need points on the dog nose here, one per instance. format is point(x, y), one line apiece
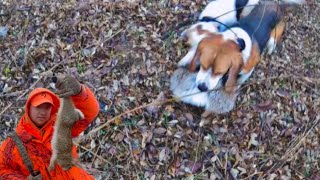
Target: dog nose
point(202, 87)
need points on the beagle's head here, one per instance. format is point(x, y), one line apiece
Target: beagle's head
point(217, 57)
point(195, 33)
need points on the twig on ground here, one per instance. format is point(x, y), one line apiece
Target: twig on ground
point(101, 44)
point(198, 145)
point(125, 113)
point(175, 99)
point(12, 94)
point(88, 150)
point(292, 150)
point(99, 147)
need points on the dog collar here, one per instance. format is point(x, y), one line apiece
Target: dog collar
point(211, 19)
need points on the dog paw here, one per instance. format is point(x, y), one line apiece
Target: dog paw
point(186, 60)
point(271, 46)
point(182, 63)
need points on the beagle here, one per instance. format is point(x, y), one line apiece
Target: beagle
point(215, 17)
point(228, 58)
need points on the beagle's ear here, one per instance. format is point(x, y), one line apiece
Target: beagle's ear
point(193, 65)
point(205, 55)
point(235, 68)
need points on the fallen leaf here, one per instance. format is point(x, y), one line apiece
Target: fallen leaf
point(154, 109)
point(189, 117)
point(3, 31)
point(159, 131)
point(253, 140)
point(234, 173)
point(162, 155)
point(192, 167)
point(267, 105)
point(283, 93)
point(119, 137)
point(146, 138)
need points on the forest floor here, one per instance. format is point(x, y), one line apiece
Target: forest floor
point(126, 51)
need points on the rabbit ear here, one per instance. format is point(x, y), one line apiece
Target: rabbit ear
point(236, 64)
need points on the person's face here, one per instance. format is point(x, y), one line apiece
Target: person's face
point(40, 115)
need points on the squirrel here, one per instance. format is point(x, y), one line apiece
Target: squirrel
point(62, 140)
point(183, 85)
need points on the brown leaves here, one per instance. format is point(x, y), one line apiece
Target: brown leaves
point(126, 51)
point(159, 131)
point(283, 93)
point(153, 109)
point(264, 106)
point(83, 6)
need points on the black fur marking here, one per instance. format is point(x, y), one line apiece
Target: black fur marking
point(224, 79)
point(226, 76)
point(207, 19)
point(241, 44)
point(211, 19)
point(240, 4)
point(259, 24)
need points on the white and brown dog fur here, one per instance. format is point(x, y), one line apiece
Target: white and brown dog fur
point(217, 17)
point(221, 54)
point(227, 62)
point(214, 18)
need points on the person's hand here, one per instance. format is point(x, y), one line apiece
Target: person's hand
point(67, 86)
point(37, 177)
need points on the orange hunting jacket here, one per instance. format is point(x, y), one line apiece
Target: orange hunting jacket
point(38, 141)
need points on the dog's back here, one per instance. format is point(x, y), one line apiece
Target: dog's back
point(222, 10)
point(260, 22)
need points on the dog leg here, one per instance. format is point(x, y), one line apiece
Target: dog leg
point(271, 45)
point(188, 57)
point(275, 36)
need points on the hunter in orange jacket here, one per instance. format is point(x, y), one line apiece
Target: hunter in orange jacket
point(37, 140)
